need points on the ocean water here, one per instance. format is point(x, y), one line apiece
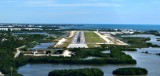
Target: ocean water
point(115, 26)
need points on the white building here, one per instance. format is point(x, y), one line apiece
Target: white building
point(127, 31)
point(1, 74)
point(4, 39)
point(18, 29)
point(3, 29)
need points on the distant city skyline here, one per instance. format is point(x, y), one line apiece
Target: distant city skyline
point(80, 11)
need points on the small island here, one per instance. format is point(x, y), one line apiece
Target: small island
point(77, 72)
point(130, 71)
point(158, 39)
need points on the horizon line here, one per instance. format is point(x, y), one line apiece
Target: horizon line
point(80, 23)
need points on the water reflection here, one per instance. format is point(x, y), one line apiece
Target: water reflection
point(148, 61)
point(31, 33)
point(43, 45)
point(150, 50)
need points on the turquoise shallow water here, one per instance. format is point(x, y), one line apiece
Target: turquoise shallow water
point(115, 26)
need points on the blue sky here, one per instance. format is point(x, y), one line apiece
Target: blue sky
point(80, 11)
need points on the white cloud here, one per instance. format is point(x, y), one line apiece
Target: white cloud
point(54, 4)
point(8, 1)
point(107, 0)
point(42, 3)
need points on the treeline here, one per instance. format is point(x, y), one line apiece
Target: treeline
point(115, 57)
point(118, 47)
point(79, 61)
point(8, 48)
point(153, 32)
point(77, 72)
point(137, 42)
point(130, 71)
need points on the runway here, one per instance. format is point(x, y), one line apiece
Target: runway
point(79, 38)
point(78, 41)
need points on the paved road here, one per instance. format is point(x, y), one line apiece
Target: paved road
point(18, 51)
point(104, 38)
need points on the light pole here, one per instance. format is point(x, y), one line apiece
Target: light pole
point(11, 70)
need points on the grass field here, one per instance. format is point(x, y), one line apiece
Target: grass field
point(92, 38)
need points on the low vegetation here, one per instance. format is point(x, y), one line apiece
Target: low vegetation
point(130, 71)
point(77, 72)
point(153, 32)
point(158, 39)
point(137, 42)
point(118, 47)
point(92, 38)
point(115, 57)
point(8, 45)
